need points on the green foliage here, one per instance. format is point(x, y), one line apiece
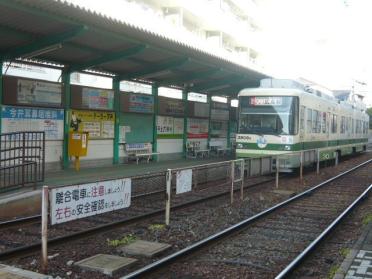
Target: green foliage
point(125, 240)
point(156, 227)
point(332, 272)
point(367, 218)
point(344, 252)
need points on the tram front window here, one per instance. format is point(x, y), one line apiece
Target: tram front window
point(268, 115)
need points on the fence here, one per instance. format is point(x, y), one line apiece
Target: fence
point(22, 159)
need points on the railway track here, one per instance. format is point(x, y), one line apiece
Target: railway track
point(138, 215)
point(272, 243)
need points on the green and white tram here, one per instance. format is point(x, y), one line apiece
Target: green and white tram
point(283, 116)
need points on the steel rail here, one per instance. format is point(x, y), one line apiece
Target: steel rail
point(173, 257)
point(289, 268)
point(27, 249)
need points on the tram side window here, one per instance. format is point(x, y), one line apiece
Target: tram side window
point(302, 117)
point(324, 121)
point(342, 130)
point(316, 121)
point(309, 120)
point(334, 123)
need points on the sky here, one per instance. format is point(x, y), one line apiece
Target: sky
point(326, 41)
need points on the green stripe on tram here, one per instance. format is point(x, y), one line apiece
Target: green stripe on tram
point(303, 145)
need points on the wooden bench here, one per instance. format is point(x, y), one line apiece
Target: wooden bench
point(148, 156)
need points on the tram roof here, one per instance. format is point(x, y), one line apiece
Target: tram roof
point(58, 34)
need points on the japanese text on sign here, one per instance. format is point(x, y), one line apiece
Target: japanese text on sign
point(80, 201)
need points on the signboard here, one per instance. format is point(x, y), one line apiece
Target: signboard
point(141, 103)
point(169, 127)
point(99, 124)
point(169, 106)
point(201, 110)
point(95, 98)
point(219, 114)
point(265, 101)
point(38, 93)
point(18, 119)
point(218, 105)
point(184, 181)
point(80, 201)
point(197, 128)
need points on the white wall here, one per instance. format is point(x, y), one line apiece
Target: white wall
point(53, 151)
point(170, 146)
point(100, 149)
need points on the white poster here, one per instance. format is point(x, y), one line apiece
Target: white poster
point(80, 201)
point(184, 181)
point(22, 119)
point(164, 125)
point(178, 126)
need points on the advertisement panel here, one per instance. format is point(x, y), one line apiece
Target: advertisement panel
point(169, 106)
point(197, 128)
point(219, 114)
point(100, 125)
point(34, 92)
point(169, 127)
point(141, 103)
point(18, 119)
point(94, 98)
point(201, 110)
point(80, 201)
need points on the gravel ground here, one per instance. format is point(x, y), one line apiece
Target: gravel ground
point(187, 226)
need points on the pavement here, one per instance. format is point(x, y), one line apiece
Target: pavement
point(358, 263)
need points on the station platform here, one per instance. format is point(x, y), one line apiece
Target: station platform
point(27, 201)
point(358, 263)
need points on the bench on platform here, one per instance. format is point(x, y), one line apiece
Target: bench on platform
point(223, 151)
point(147, 156)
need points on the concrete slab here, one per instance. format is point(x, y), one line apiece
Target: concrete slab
point(284, 192)
point(107, 264)
point(358, 263)
point(10, 272)
point(144, 248)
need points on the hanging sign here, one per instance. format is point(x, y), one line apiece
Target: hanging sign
point(80, 201)
point(141, 103)
point(184, 181)
point(169, 106)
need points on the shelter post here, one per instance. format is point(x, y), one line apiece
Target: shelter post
point(155, 91)
point(185, 105)
point(1, 90)
point(116, 88)
point(66, 76)
point(228, 140)
point(209, 101)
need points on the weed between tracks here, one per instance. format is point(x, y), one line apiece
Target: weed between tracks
point(125, 240)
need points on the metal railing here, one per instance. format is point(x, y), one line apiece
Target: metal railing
point(22, 159)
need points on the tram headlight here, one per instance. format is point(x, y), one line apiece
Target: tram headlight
point(287, 147)
point(239, 145)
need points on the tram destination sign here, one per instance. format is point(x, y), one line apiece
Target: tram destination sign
point(80, 201)
point(265, 101)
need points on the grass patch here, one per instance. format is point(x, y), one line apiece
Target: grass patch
point(156, 227)
point(367, 219)
point(125, 240)
point(344, 252)
point(332, 272)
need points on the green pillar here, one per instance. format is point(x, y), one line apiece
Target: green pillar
point(209, 101)
point(186, 108)
point(229, 124)
point(116, 88)
point(67, 106)
point(154, 91)
point(1, 91)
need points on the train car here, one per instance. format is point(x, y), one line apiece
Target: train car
point(284, 116)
